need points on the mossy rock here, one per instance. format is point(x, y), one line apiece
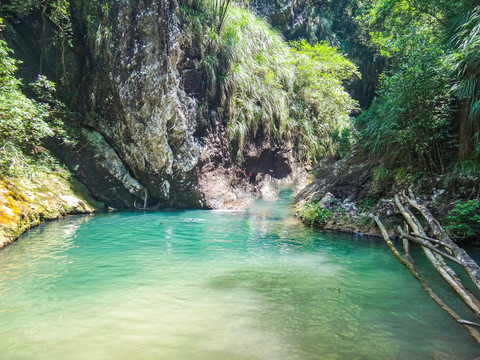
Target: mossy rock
point(28, 202)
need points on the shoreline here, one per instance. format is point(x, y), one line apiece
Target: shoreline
point(28, 202)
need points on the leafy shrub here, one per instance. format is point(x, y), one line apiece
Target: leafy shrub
point(401, 175)
point(367, 203)
point(24, 122)
point(409, 124)
point(464, 220)
point(429, 99)
point(381, 176)
point(313, 213)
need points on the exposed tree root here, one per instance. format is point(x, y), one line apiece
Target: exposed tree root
point(437, 248)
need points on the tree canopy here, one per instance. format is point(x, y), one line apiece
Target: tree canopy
point(426, 112)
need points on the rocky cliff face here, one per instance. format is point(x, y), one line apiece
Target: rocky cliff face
point(291, 17)
point(141, 135)
point(146, 134)
point(143, 140)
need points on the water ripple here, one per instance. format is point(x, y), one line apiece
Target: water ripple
point(212, 285)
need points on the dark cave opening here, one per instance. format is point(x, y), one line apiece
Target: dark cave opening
point(269, 162)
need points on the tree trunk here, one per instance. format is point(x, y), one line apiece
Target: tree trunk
point(465, 131)
point(410, 265)
point(436, 255)
point(469, 265)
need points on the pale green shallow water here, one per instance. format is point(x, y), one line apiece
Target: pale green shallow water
point(213, 285)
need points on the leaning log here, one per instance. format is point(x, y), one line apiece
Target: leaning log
point(410, 265)
point(422, 242)
point(470, 266)
point(437, 247)
point(445, 271)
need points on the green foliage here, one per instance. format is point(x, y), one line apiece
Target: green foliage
point(313, 213)
point(415, 122)
point(276, 91)
point(103, 34)
point(346, 139)
point(410, 123)
point(380, 174)
point(401, 176)
point(324, 59)
point(464, 40)
point(55, 32)
point(368, 203)
point(257, 73)
point(381, 177)
point(15, 163)
point(470, 168)
point(220, 8)
point(319, 99)
point(464, 220)
point(24, 122)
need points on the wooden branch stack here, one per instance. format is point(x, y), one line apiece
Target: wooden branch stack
point(438, 248)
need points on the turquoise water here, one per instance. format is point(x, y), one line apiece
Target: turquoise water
point(213, 285)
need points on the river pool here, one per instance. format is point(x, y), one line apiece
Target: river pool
point(214, 285)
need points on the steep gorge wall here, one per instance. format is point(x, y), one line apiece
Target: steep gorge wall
point(143, 136)
point(143, 114)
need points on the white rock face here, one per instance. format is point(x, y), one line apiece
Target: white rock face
point(109, 160)
point(152, 120)
point(150, 143)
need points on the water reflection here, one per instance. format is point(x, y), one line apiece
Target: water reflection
point(48, 248)
point(213, 285)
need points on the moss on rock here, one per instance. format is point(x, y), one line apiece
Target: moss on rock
point(28, 202)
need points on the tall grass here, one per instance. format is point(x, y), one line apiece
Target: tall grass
point(274, 91)
point(258, 82)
